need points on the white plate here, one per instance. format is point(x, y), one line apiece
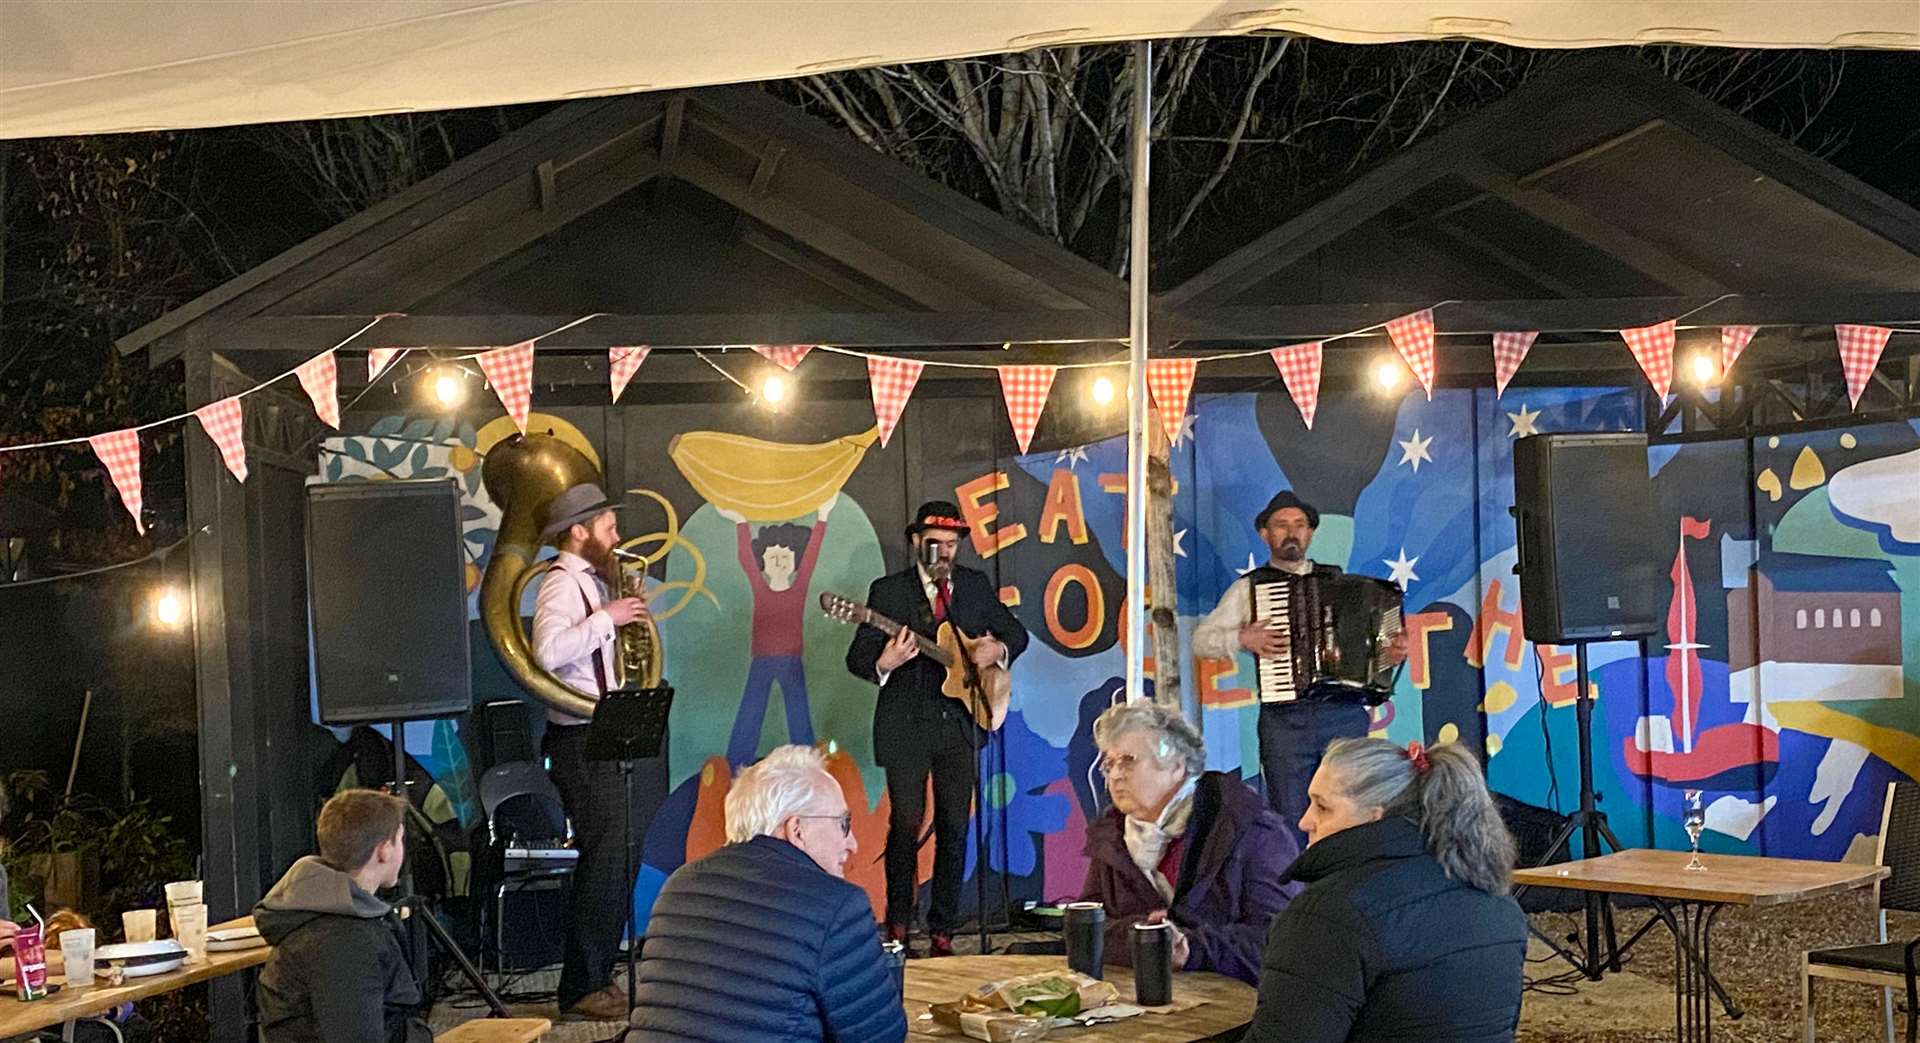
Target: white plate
point(147, 970)
point(129, 950)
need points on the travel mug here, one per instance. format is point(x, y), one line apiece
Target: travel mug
point(1086, 936)
point(1152, 964)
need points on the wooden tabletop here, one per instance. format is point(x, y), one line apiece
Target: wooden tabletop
point(1727, 880)
point(1228, 1006)
point(17, 1018)
point(496, 1030)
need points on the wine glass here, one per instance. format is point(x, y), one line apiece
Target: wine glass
point(1695, 822)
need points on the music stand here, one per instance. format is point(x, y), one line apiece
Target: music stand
point(629, 724)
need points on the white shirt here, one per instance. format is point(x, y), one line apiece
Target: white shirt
point(1218, 635)
point(566, 631)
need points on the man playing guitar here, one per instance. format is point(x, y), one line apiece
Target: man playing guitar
point(917, 731)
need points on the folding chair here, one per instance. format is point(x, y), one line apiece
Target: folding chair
point(1886, 964)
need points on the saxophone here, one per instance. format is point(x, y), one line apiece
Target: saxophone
point(523, 474)
point(636, 646)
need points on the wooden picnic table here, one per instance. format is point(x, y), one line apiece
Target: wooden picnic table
point(1687, 901)
point(70, 1005)
point(496, 1030)
point(1226, 1004)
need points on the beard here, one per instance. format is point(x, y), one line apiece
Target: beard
point(1290, 549)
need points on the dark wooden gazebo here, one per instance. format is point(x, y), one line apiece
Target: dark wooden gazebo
point(1577, 210)
point(706, 218)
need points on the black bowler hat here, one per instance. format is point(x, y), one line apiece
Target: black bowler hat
point(1284, 499)
point(938, 514)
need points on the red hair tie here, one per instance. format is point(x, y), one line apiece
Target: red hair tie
point(1417, 755)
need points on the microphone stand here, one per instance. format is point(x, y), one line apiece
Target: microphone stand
point(447, 945)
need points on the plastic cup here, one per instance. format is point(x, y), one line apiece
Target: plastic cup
point(190, 930)
point(76, 948)
point(183, 892)
point(139, 924)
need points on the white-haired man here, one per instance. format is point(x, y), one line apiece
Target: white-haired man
point(764, 939)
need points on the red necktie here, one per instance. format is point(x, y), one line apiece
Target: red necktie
point(940, 601)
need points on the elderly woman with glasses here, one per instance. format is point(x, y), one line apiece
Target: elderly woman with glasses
point(1196, 848)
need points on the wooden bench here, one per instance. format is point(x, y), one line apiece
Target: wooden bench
point(496, 1030)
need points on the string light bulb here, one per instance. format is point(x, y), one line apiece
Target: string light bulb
point(1702, 368)
point(774, 389)
point(169, 609)
point(1102, 391)
point(449, 388)
point(1388, 375)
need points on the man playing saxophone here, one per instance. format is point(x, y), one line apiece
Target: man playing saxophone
point(575, 626)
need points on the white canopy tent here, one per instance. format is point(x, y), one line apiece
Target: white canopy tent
point(99, 66)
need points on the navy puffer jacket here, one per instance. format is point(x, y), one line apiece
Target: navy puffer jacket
point(756, 942)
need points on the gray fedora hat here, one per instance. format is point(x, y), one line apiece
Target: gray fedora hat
point(581, 503)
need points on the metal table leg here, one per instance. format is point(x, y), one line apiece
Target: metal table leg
point(1694, 986)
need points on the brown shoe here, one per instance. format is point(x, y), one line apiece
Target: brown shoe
point(608, 1004)
point(940, 945)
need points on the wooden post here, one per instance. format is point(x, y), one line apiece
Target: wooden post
point(1164, 593)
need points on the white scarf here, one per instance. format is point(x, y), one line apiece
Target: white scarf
point(1147, 841)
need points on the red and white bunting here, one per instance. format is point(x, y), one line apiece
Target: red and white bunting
point(1299, 366)
point(1733, 341)
point(1860, 348)
point(1509, 350)
point(1171, 382)
point(1025, 389)
point(510, 371)
point(224, 423)
point(621, 365)
point(378, 359)
point(1413, 338)
point(320, 376)
point(892, 381)
point(120, 451)
point(1652, 347)
point(786, 356)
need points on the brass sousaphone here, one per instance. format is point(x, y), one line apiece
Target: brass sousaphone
point(523, 474)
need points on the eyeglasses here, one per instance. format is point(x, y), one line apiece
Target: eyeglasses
point(1125, 764)
point(844, 818)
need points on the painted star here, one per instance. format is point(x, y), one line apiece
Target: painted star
point(1403, 573)
point(1070, 457)
point(1414, 450)
point(1178, 535)
point(1251, 565)
point(1523, 422)
point(1185, 430)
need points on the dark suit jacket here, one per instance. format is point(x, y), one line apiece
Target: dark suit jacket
point(912, 718)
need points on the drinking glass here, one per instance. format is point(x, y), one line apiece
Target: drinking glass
point(1695, 822)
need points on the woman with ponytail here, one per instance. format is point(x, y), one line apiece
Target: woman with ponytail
point(1406, 930)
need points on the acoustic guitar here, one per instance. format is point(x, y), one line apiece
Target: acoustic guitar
point(984, 690)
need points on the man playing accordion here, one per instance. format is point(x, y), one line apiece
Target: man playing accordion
point(1284, 613)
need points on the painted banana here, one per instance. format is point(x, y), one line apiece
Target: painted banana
point(766, 481)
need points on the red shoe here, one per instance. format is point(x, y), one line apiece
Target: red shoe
point(897, 932)
point(940, 945)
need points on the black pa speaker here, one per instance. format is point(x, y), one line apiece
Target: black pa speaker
point(1589, 558)
point(387, 601)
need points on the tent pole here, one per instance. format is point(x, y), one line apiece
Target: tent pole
point(1137, 416)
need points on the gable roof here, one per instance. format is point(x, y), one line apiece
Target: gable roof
point(848, 230)
point(1600, 180)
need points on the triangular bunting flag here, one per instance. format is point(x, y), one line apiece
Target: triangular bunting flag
point(1733, 341)
point(892, 381)
point(1025, 389)
point(1509, 350)
point(120, 451)
point(224, 423)
point(378, 359)
point(786, 356)
point(320, 376)
point(621, 364)
point(1300, 371)
point(510, 371)
point(1413, 339)
point(1171, 381)
point(1860, 348)
point(1652, 347)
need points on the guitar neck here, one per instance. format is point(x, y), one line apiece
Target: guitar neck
point(892, 628)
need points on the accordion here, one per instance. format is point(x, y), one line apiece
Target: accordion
point(1339, 627)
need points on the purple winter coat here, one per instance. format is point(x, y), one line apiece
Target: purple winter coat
point(1231, 881)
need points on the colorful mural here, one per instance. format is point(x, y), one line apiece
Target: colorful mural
point(1778, 684)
